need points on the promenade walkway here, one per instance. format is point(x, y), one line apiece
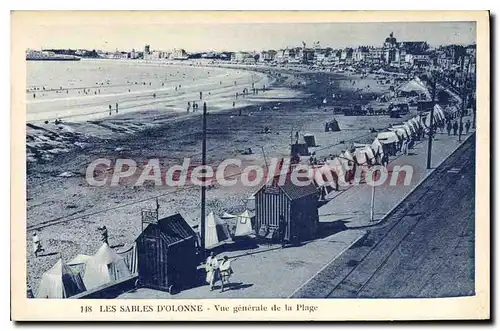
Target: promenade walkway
point(272, 272)
point(352, 205)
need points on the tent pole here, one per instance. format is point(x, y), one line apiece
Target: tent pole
point(203, 187)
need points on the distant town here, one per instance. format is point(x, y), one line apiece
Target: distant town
point(391, 54)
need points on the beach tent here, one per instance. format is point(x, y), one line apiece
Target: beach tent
point(377, 147)
point(338, 165)
point(364, 155)
point(411, 125)
point(78, 262)
point(348, 155)
point(378, 150)
point(438, 111)
point(400, 131)
point(60, 281)
point(417, 122)
point(414, 86)
point(243, 224)
point(387, 137)
point(216, 231)
point(104, 267)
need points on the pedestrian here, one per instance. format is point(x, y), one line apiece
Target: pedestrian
point(225, 272)
point(448, 127)
point(234, 104)
point(385, 159)
point(282, 230)
point(116, 107)
point(109, 110)
point(34, 95)
point(37, 245)
point(461, 127)
point(201, 95)
point(104, 234)
point(212, 270)
point(467, 126)
point(455, 128)
point(404, 147)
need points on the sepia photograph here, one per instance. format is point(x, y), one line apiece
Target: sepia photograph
point(182, 157)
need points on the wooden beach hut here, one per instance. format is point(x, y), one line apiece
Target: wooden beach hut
point(166, 254)
point(296, 205)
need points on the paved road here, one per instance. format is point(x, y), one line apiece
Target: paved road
point(425, 248)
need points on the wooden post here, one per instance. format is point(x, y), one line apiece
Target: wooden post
point(372, 205)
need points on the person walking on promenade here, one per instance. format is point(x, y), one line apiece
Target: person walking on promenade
point(385, 159)
point(37, 245)
point(455, 128)
point(212, 270)
point(116, 105)
point(225, 272)
point(404, 147)
point(104, 234)
point(467, 126)
point(448, 127)
point(201, 95)
point(282, 231)
point(109, 106)
point(461, 127)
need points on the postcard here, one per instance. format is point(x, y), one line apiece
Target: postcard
point(250, 166)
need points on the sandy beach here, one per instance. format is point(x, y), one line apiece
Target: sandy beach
point(66, 211)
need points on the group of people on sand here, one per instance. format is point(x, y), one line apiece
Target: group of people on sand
point(111, 108)
point(194, 105)
point(218, 271)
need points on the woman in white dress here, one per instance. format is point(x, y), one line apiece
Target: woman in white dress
point(212, 269)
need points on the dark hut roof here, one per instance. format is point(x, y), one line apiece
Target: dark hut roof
point(172, 229)
point(292, 191)
point(295, 192)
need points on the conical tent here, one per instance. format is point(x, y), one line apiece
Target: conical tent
point(104, 267)
point(243, 224)
point(216, 231)
point(78, 262)
point(60, 281)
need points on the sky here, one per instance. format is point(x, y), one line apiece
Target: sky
point(196, 37)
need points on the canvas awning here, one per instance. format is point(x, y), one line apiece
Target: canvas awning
point(226, 215)
point(387, 137)
point(243, 224)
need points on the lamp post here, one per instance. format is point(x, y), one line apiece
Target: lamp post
point(433, 77)
point(203, 187)
point(464, 100)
